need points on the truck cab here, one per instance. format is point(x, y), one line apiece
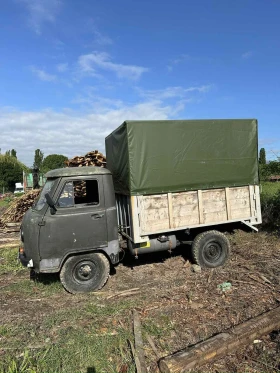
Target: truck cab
point(72, 228)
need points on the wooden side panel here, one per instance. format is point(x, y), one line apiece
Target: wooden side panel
point(214, 206)
point(240, 202)
point(154, 214)
point(187, 209)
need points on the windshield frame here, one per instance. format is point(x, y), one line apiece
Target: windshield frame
point(41, 201)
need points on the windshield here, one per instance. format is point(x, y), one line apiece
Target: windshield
point(42, 200)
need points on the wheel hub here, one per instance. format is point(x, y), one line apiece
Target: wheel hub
point(212, 251)
point(84, 271)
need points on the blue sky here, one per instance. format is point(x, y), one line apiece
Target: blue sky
point(72, 71)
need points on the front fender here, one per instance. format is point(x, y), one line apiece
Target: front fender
point(54, 265)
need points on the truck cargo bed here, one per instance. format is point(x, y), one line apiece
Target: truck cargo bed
point(160, 213)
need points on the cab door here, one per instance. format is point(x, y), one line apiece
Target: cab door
point(79, 224)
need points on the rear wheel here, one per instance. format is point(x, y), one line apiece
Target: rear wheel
point(210, 249)
point(85, 273)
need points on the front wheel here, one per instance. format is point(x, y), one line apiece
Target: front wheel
point(85, 273)
point(210, 249)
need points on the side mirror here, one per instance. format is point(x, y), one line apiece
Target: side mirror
point(51, 203)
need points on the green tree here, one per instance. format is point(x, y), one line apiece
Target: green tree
point(14, 153)
point(38, 159)
point(52, 162)
point(10, 172)
point(273, 168)
point(262, 158)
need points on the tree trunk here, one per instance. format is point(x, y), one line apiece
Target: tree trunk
point(221, 344)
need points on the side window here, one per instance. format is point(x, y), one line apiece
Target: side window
point(66, 198)
point(79, 192)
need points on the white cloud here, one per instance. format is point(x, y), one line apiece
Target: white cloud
point(247, 55)
point(90, 63)
point(70, 132)
point(40, 12)
point(101, 39)
point(183, 58)
point(62, 67)
point(173, 92)
point(42, 75)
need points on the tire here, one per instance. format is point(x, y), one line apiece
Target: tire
point(210, 249)
point(85, 273)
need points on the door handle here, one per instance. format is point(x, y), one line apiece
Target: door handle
point(97, 216)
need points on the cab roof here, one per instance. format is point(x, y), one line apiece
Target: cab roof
point(78, 171)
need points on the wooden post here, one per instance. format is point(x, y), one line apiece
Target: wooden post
point(221, 344)
point(170, 210)
point(228, 205)
point(200, 207)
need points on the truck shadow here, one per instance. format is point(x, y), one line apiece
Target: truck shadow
point(157, 257)
point(44, 278)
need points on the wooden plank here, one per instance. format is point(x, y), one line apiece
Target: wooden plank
point(184, 199)
point(200, 207)
point(154, 202)
point(213, 217)
point(252, 201)
point(239, 193)
point(191, 358)
point(186, 221)
point(240, 204)
point(136, 219)
point(185, 210)
point(242, 213)
point(228, 204)
point(170, 210)
point(209, 206)
point(214, 195)
point(155, 226)
point(155, 214)
point(258, 203)
point(139, 345)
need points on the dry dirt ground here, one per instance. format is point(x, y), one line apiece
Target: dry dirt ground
point(48, 330)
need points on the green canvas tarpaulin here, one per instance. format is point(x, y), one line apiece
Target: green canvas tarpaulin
point(150, 157)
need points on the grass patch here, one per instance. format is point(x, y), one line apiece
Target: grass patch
point(9, 261)
point(39, 289)
point(66, 345)
point(269, 188)
point(161, 328)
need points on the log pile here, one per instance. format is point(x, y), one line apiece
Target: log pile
point(17, 208)
point(80, 189)
point(93, 158)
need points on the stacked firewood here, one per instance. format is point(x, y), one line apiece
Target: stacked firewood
point(80, 189)
point(94, 158)
point(18, 207)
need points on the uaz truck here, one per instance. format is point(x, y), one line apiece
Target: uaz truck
point(166, 183)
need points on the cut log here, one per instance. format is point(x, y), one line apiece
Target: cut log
point(221, 344)
point(139, 351)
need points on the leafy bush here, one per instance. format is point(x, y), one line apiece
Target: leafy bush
point(270, 200)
